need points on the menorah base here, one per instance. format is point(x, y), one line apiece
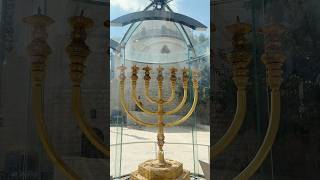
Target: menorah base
point(151, 170)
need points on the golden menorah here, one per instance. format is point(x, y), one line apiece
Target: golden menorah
point(160, 168)
point(240, 57)
point(78, 51)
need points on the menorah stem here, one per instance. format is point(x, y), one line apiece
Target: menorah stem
point(160, 138)
point(160, 93)
point(160, 135)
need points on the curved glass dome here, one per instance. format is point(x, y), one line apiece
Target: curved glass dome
point(158, 37)
point(162, 39)
point(156, 42)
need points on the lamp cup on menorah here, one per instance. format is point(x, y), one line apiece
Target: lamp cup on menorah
point(159, 168)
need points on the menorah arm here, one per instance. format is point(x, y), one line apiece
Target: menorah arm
point(148, 97)
point(184, 118)
point(131, 116)
point(268, 140)
point(83, 123)
point(37, 106)
point(173, 94)
point(134, 97)
point(235, 126)
point(182, 103)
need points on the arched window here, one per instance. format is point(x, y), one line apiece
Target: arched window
point(87, 149)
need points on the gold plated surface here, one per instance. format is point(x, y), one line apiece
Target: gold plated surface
point(173, 170)
point(159, 168)
point(39, 50)
point(240, 58)
point(78, 52)
point(273, 58)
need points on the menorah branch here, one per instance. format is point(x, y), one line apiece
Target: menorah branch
point(37, 106)
point(235, 126)
point(135, 99)
point(78, 52)
point(273, 59)
point(182, 103)
point(148, 97)
point(125, 108)
point(240, 59)
point(268, 140)
point(39, 50)
point(82, 122)
point(172, 95)
point(192, 109)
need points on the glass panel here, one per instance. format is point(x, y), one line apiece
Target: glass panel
point(168, 44)
point(157, 42)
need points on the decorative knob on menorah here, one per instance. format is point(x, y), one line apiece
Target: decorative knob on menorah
point(161, 168)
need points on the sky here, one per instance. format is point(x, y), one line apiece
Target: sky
point(196, 9)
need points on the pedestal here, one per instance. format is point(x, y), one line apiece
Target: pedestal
point(151, 170)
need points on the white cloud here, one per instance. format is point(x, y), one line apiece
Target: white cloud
point(138, 5)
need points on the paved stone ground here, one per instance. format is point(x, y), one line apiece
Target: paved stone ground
point(134, 154)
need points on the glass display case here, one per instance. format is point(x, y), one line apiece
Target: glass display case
point(167, 44)
point(78, 129)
